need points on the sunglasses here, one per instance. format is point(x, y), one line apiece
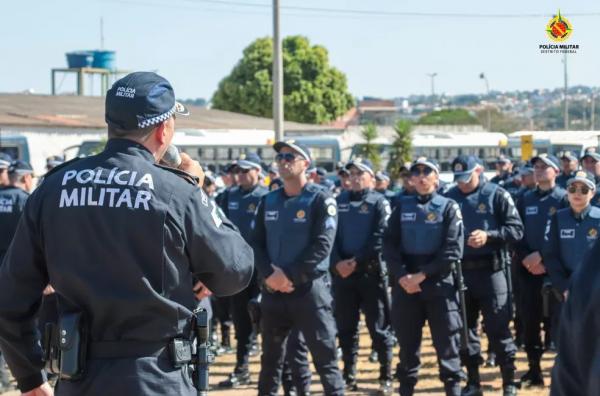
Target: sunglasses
point(287, 157)
point(418, 172)
point(583, 189)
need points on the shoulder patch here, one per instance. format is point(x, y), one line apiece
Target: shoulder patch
point(184, 175)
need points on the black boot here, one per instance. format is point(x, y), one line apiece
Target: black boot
point(235, 380)
point(473, 387)
point(534, 376)
point(509, 386)
point(491, 359)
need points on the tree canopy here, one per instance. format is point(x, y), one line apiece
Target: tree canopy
point(314, 91)
point(448, 117)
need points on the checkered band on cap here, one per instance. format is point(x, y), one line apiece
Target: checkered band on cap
point(158, 119)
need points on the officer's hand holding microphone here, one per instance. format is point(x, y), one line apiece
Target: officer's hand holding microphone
point(184, 162)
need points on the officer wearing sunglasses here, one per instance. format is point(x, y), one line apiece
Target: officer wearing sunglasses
point(571, 234)
point(293, 235)
point(424, 238)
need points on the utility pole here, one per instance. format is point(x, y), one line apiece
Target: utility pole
point(277, 75)
point(566, 95)
point(101, 33)
point(593, 111)
point(432, 77)
point(487, 90)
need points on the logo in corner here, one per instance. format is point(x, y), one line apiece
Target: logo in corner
point(559, 29)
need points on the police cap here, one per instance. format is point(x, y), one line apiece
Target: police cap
point(583, 177)
point(294, 145)
point(547, 159)
point(5, 160)
point(463, 167)
point(141, 100)
point(382, 176)
point(591, 154)
point(363, 164)
point(428, 162)
point(20, 168)
point(249, 161)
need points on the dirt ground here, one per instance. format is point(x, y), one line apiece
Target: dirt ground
point(429, 383)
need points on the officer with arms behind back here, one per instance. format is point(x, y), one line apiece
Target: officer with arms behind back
point(534, 208)
point(491, 221)
point(119, 237)
point(360, 276)
point(423, 240)
point(293, 236)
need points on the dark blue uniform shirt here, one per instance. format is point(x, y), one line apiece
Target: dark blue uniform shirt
point(12, 203)
point(119, 238)
point(295, 233)
point(425, 233)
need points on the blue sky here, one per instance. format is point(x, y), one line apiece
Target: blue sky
point(196, 43)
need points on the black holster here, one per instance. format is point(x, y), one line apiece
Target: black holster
point(65, 346)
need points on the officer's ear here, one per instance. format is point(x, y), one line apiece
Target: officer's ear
point(160, 133)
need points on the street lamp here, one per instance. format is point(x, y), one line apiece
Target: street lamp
point(487, 90)
point(432, 77)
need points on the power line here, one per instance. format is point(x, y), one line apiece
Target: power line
point(341, 12)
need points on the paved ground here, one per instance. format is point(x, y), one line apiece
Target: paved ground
point(429, 383)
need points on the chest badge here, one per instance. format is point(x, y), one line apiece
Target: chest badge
point(592, 233)
point(251, 208)
point(300, 216)
point(431, 217)
point(364, 209)
point(552, 210)
point(482, 208)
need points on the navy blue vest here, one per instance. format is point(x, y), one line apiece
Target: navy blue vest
point(422, 225)
point(478, 214)
point(576, 238)
point(536, 210)
point(288, 223)
point(241, 207)
point(356, 221)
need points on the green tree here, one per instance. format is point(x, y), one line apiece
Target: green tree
point(401, 147)
point(448, 117)
point(371, 150)
point(313, 90)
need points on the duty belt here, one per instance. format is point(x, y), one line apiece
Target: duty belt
point(178, 350)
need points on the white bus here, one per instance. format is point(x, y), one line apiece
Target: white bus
point(553, 142)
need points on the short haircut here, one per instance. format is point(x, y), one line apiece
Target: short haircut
point(137, 134)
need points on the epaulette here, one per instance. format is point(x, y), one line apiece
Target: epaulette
point(183, 174)
point(59, 167)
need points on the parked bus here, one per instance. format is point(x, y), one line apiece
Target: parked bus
point(553, 142)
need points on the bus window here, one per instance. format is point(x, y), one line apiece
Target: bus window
point(222, 154)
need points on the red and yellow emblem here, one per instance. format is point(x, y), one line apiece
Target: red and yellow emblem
point(300, 214)
point(559, 28)
point(431, 216)
point(592, 233)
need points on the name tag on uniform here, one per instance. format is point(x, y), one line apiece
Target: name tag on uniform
point(567, 234)
point(233, 205)
point(531, 210)
point(408, 217)
point(343, 207)
point(271, 215)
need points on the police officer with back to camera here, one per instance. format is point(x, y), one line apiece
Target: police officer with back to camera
point(12, 201)
point(240, 207)
point(491, 222)
point(534, 208)
point(576, 370)
point(569, 165)
point(120, 239)
point(293, 236)
point(570, 236)
point(5, 161)
point(423, 240)
point(360, 276)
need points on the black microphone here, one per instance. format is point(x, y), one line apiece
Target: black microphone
point(171, 157)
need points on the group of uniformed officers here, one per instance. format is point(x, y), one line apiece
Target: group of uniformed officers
point(129, 245)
